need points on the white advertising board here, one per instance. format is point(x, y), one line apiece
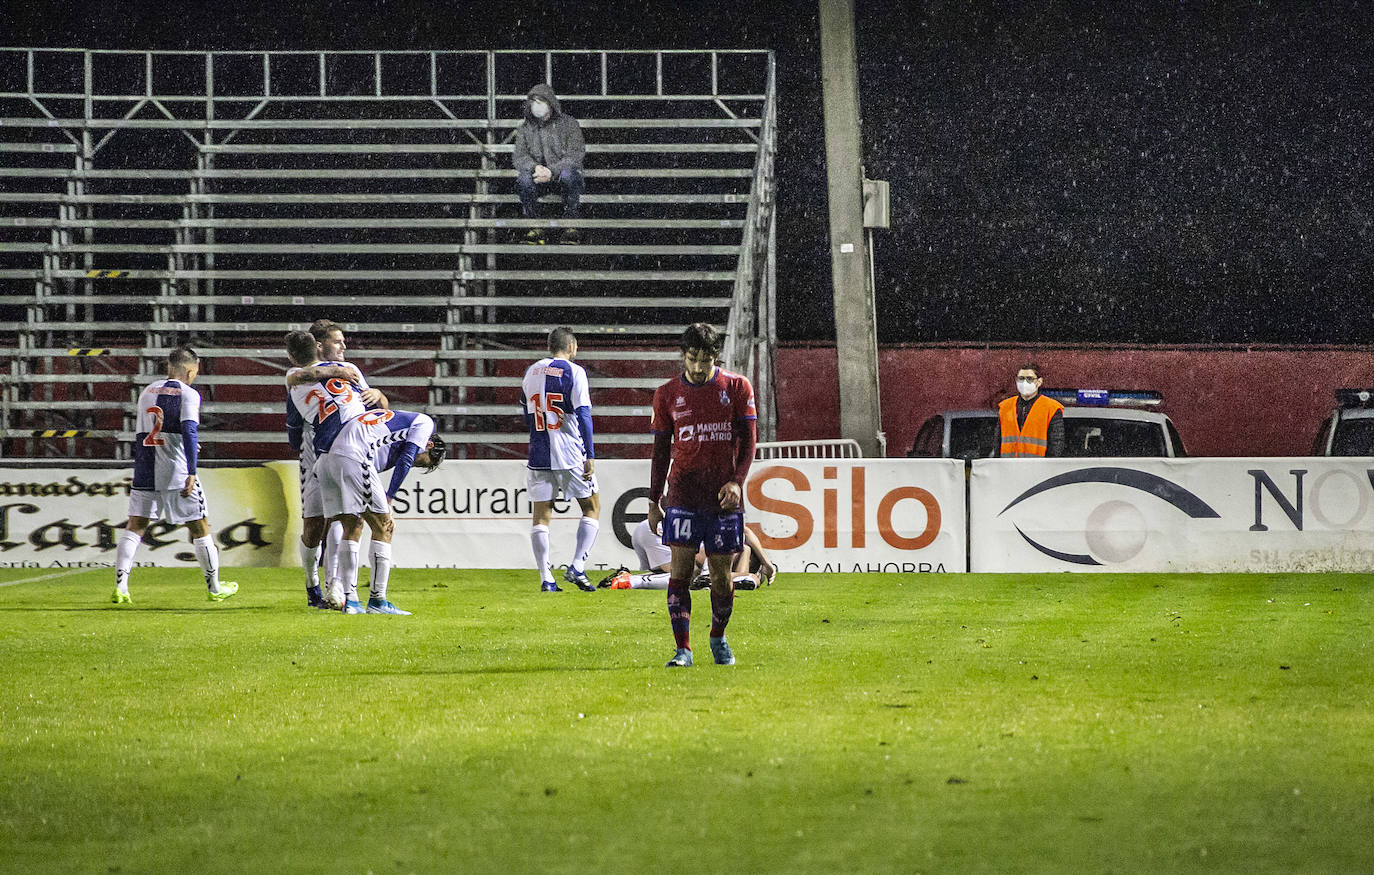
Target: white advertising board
point(1171, 515)
point(838, 515)
point(71, 517)
point(901, 516)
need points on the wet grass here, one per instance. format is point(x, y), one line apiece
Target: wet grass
point(874, 723)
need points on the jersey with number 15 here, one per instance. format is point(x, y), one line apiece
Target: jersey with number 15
point(165, 445)
point(558, 409)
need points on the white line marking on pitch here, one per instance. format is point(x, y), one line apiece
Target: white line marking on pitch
point(67, 573)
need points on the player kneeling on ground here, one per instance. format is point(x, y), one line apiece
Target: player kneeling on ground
point(165, 485)
point(704, 423)
point(351, 488)
point(750, 569)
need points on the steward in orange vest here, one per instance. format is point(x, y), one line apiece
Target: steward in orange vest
point(1031, 424)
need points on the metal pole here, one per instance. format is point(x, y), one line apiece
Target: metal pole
point(856, 330)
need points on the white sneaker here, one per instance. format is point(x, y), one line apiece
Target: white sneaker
point(333, 595)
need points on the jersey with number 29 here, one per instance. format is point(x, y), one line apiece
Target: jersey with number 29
point(325, 407)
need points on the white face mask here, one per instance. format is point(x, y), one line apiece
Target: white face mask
point(1026, 388)
point(539, 109)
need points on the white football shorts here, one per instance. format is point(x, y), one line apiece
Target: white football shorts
point(168, 504)
point(348, 486)
point(544, 484)
point(650, 549)
point(312, 502)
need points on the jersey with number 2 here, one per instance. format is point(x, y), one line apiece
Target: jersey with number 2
point(162, 458)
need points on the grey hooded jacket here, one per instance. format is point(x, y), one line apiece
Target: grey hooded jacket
point(556, 141)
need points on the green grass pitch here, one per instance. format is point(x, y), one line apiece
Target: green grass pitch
point(874, 723)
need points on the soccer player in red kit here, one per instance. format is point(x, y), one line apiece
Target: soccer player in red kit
point(705, 423)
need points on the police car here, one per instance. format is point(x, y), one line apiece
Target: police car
point(1097, 423)
point(1349, 430)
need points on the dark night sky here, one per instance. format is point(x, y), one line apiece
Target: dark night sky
point(1147, 172)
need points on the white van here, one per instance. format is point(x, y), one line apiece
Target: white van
point(1349, 430)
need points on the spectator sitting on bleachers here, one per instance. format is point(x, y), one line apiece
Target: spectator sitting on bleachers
point(548, 153)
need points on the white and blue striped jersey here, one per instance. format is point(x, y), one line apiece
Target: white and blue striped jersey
point(386, 439)
point(316, 412)
point(165, 445)
point(557, 406)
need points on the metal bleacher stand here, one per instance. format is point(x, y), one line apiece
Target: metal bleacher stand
point(220, 199)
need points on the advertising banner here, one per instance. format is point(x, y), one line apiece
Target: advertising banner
point(71, 517)
point(1171, 515)
point(860, 515)
point(902, 516)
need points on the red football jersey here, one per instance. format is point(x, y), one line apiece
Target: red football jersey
point(705, 422)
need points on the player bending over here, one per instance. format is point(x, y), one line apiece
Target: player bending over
point(704, 423)
point(351, 487)
point(165, 484)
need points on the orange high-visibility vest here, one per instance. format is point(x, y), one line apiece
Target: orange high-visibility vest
point(1033, 438)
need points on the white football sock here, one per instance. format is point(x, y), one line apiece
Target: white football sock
point(208, 557)
point(332, 539)
point(124, 558)
point(539, 541)
point(310, 561)
point(652, 580)
point(348, 568)
point(381, 569)
point(586, 537)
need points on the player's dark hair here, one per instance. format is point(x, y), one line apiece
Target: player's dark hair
point(300, 348)
point(436, 452)
point(701, 336)
point(1031, 366)
point(561, 339)
point(320, 328)
point(181, 357)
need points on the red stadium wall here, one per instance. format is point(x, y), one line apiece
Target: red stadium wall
point(1242, 401)
point(1257, 401)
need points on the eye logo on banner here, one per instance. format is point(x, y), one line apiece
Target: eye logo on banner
point(1115, 531)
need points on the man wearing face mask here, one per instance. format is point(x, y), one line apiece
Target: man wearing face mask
point(548, 154)
point(1031, 424)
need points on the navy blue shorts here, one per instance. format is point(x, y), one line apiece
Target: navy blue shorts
point(721, 532)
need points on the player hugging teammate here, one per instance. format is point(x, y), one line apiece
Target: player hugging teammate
point(704, 423)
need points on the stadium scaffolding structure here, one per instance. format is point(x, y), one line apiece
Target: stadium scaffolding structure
point(222, 198)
